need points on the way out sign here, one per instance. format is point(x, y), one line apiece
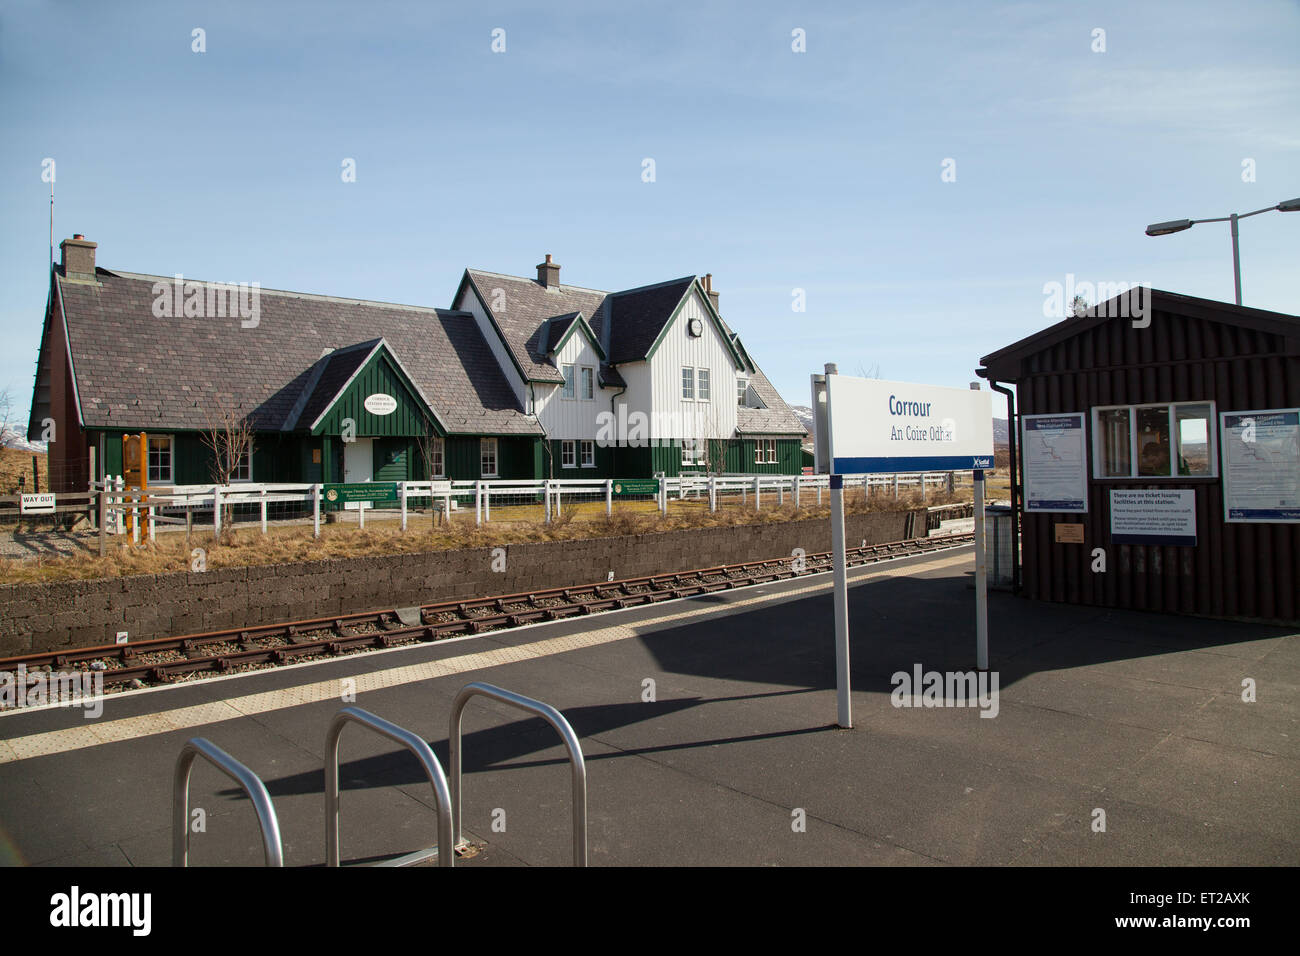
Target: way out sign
point(868, 426)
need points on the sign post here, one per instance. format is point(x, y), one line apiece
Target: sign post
point(887, 428)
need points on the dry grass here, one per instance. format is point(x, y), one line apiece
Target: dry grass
point(246, 547)
point(15, 464)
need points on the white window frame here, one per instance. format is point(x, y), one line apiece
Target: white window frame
point(703, 385)
point(688, 384)
point(437, 459)
point(692, 451)
point(771, 451)
point(171, 460)
point(588, 450)
point(1211, 440)
point(248, 453)
point(742, 391)
point(568, 453)
point(588, 379)
point(758, 450)
point(487, 447)
point(569, 390)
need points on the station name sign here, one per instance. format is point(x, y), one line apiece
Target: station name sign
point(878, 426)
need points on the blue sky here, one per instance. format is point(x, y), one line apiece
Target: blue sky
point(774, 170)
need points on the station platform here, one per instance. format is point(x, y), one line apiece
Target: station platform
point(1137, 715)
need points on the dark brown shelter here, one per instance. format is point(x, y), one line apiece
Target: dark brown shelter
point(1145, 372)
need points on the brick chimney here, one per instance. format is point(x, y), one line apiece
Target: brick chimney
point(708, 288)
point(548, 273)
point(78, 259)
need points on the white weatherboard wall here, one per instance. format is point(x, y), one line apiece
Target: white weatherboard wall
point(469, 302)
point(573, 417)
point(677, 418)
point(880, 426)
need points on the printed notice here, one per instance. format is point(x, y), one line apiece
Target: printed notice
point(1153, 517)
point(1261, 454)
point(1056, 477)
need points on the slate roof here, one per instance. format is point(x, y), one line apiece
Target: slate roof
point(775, 419)
point(134, 370)
point(639, 315)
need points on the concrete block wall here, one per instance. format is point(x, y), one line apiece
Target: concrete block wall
point(69, 614)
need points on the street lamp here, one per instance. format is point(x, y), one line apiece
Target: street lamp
point(1178, 225)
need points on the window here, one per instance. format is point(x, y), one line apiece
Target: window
point(1154, 441)
point(758, 451)
point(692, 451)
point(688, 384)
point(771, 451)
point(702, 384)
point(742, 386)
point(567, 390)
point(588, 454)
point(567, 458)
point(436, 460)
point(487, 454)
point(588, 378)
point(160, 460)
point(244, 467)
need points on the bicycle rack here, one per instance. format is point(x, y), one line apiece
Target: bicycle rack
point(249, 781)
point(551, 716)
point(432, 769)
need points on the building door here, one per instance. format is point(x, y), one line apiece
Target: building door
point(359, 460)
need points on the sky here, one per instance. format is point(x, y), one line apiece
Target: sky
point(913, 175)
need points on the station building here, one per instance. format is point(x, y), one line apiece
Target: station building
point(1160, 434)
point(522, 378)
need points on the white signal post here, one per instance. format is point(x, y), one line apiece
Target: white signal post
point(892, 427)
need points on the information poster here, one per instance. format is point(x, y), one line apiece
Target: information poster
point(1261, 465)
point(1144, 516)
point(1056, 468)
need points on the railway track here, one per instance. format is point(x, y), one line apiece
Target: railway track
point(177, 659)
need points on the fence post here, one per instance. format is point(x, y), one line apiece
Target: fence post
point(713, 494)
point(797, 481)
point(758, 494)
point(609, 497)
point(780, 494)
point(361, 515)
point(216, 511)
point(315, 510)
point(262, 500)
point(895, 487)
point(478, 502)
point(90, 505)
point(923, 477)
point(151, 523)
point(546, 495)
point(103, 516)
point(401, 494)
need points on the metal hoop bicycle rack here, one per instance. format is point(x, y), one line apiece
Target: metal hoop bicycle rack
point(249, 781)
point(551, 716)
point(445, 849)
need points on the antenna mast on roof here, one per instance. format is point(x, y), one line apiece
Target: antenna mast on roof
point(51, 223)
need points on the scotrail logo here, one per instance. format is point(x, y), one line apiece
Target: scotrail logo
point(76, 909)
point(84, 689)
point(946, 689)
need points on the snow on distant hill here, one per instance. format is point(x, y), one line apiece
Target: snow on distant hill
point(11, 437)
point(805, 416)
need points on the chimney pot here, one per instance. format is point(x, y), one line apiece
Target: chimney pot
point(708, 288)
point(548, 273)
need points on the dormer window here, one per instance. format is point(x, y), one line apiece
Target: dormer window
point(742, 388)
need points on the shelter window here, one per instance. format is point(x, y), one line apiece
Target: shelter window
point(588, 454)
point(771, 451)
point(1154, 441)
point(568, 458)
point(160, 460)
point(487, 452)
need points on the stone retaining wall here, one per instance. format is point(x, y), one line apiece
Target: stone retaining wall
point(67, 614)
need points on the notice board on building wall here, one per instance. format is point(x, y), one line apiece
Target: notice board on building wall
point(1056, 467)
point(1261, 465)
point(1151, 516)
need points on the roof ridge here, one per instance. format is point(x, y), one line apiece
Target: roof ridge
point(561, 285)
point(655, 285)
point(262, 290)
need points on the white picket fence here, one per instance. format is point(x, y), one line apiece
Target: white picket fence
point(161, 505)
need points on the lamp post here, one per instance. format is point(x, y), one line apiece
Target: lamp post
point(1178, 225)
